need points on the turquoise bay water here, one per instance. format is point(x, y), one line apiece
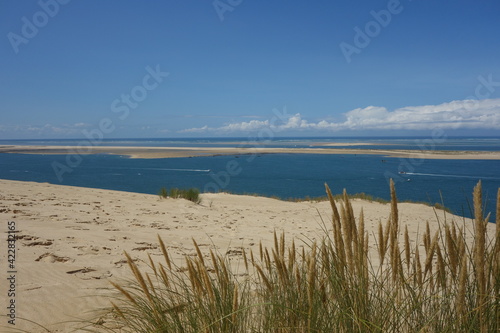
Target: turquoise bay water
point(282, 175)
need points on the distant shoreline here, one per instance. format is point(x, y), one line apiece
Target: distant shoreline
point(173, 152)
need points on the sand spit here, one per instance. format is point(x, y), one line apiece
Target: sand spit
point(170, 152)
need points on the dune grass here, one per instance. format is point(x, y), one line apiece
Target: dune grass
point(451, 283)
point(192, 194)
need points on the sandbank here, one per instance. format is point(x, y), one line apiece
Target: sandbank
point(171, 152)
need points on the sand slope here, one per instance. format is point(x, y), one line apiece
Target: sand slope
point(71, 240)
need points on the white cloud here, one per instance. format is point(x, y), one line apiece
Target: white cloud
point(249, 126)
point(468, 114)
point(465, 114)
point(197, 130)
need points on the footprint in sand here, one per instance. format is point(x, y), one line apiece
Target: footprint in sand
point(122, 262)
point(90, 249)
point(26, 237)
point(146, 246)
point(39, 243)
point(88, 273)
point(52, 258)
point(30, 287)
point(237, 251)
point(76, 228)
point(81, 270)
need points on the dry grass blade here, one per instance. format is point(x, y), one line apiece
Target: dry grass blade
point(418, 267)
point(264, 277)
point(194, 278)
point(292, 256)
point(205, 280)
point(165, 253)
point(311, 287)
point(350, 220)
point(276, 243)
point(281, 268)
point(396, 265)
point(267, 260)
point(215, 263)
point(381, 243)
point(164, 277)
point(152, 264)
point(479, 251)
point(430, 254)
point(441, 270)
point(335, 212)
point(235, 304)
point(245, 259)
point(198, 252)
point(139, 277)
point(347, 235)
point(427, 237)
point(282, 245)
point(407, 249)
point(387, 234)
point(394, 211)
point(225, 274)
point(462, 289)
point(451, 248)
point(360, 249)
point(118, 311)
point(124, 292)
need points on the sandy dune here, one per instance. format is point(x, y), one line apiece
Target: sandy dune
point(71, 240)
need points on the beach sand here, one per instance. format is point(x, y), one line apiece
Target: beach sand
point(71, 240)
point(170, 152)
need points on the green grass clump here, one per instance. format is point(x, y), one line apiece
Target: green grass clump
point(445, 282)
point(192, 194)
point(163, 193)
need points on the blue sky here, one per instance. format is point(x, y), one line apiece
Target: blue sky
point(134, 69)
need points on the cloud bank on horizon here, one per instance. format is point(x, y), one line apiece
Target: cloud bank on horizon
point(464, 114)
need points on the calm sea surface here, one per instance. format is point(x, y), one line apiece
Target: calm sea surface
point(283, 175)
